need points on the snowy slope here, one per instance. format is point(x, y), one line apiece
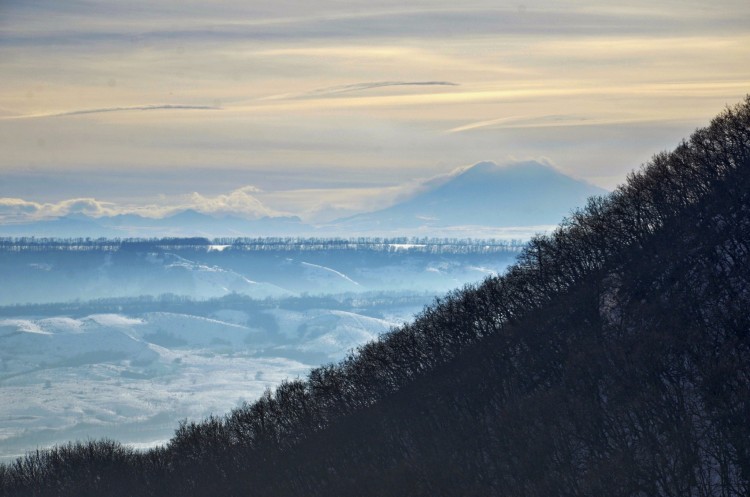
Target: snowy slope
point(133, 377)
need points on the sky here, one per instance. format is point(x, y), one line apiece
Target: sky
point(323, 109)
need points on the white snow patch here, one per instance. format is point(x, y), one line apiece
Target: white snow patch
point(406, 246)
point(342, 275)
point(114, 320)
point(22, 325)
point(484, 270)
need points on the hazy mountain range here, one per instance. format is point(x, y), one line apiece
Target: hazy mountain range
point(483, 195)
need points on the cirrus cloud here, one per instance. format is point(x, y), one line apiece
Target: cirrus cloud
point(81, 112)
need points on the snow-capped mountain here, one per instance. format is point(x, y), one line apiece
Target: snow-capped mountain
point(485, 194)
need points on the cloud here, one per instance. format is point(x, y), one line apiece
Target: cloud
point(117, 109)
point(355, 87)
point(100, 22)
point(249, 189)
point(481, 124)
point(237, 202)
point(16, 210)
point(551, 121)
point(357, 93)
point(11, 208)
point(240, 202)
point(88, 206)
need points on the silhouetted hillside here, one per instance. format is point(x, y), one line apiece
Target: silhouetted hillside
point(612, 360)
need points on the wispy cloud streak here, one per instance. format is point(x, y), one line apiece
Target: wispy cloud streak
point(553, 121)
point(370, 85)
point(115, 109)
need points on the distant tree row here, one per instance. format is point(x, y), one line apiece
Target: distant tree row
point(283, 244)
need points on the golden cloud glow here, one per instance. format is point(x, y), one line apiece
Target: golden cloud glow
point(359, 87)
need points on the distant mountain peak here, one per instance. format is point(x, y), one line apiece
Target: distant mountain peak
point(486, 194)
point(482, 167)
point(528, 170)
point(188, 214)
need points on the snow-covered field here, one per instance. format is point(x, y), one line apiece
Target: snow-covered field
point(110, 341)
point(133, 377)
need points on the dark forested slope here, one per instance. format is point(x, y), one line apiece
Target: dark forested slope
point(612, 359)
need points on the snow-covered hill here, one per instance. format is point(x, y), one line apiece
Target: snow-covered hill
point(122, 339)
point(134, 376)
point(65, 273)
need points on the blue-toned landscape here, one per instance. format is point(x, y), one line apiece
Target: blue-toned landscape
point(269, 249)
point(110, 338)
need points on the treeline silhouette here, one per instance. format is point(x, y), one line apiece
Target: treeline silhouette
point(612, 359)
